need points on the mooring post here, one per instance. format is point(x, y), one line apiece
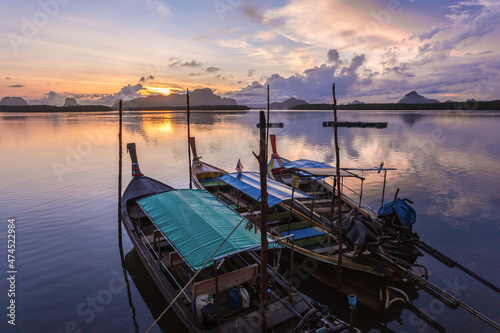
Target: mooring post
point(120, 158)
point(189, 139)
point(352, 303)
point(262, 158)
point(383, 189)
point(339, 196)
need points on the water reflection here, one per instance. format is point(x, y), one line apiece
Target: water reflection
point(447, 164)
point(151, 295)
point(411, 118)
point(125, 275)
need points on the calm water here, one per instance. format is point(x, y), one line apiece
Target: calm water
point(59, 182)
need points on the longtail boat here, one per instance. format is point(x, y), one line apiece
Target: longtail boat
point(188, 238)
point(322, 207)
point(391, 224)
point(315, 248)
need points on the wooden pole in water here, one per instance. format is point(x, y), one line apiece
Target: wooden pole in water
point(337, 180)
point(189, 136)
point(120, 237)
point(267, 123)
point(120, 154)
point(262, 158)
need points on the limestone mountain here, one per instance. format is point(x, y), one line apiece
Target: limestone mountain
point(414, 98)
point(289, 103)
point(13, 101)
point(197, 97)
point(70, 102)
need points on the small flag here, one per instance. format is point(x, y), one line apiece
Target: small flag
point(239, 167)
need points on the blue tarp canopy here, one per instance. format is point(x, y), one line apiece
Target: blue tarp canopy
point(317, 170)
point(249, 183)
point(406, 214)
point(196, 223)
point(303, 163)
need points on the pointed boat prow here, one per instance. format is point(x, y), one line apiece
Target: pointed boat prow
point(192, 143)
point(136, 172)
point(273, 145)
point(275, 163)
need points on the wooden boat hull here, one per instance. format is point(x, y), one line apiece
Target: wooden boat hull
point(180, 309)
point(369, 289)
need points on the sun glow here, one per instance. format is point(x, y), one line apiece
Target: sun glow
point(156, 90)
point(158, 126)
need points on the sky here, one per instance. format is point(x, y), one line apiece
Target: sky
point(373, 50)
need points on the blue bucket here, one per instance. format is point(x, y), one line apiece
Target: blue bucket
point(233, 298)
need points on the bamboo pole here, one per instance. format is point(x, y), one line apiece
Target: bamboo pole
point(189, 136)
point(339, 198)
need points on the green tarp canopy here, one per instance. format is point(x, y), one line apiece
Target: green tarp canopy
point(196, 223)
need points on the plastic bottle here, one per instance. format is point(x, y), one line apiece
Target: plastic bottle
point(245, 297)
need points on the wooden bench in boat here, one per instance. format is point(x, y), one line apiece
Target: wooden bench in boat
point(212, 182)
point(303, 233)
point(329, 249)
point(294, 226)
point(344, 209)
point(151, 238)
point(241, 202)
point(318, 201)
point(226, 281)
point(171, 259)
point(317, 193)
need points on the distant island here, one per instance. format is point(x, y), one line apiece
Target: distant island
point(206, 99)
point(52, 108)
point(490, 105)
point(200, 99)
point(289, 103)
point(18, 104)
point(411, 101)
point(414, 98)
point(197, 98)
point(13, 101)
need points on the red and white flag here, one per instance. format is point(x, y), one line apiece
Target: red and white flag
point(239, 167)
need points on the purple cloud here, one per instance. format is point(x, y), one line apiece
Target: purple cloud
point(333, 56)
point(213, 69)
point(314, 84)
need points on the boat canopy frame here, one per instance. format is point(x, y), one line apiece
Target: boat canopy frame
point(318, 170)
